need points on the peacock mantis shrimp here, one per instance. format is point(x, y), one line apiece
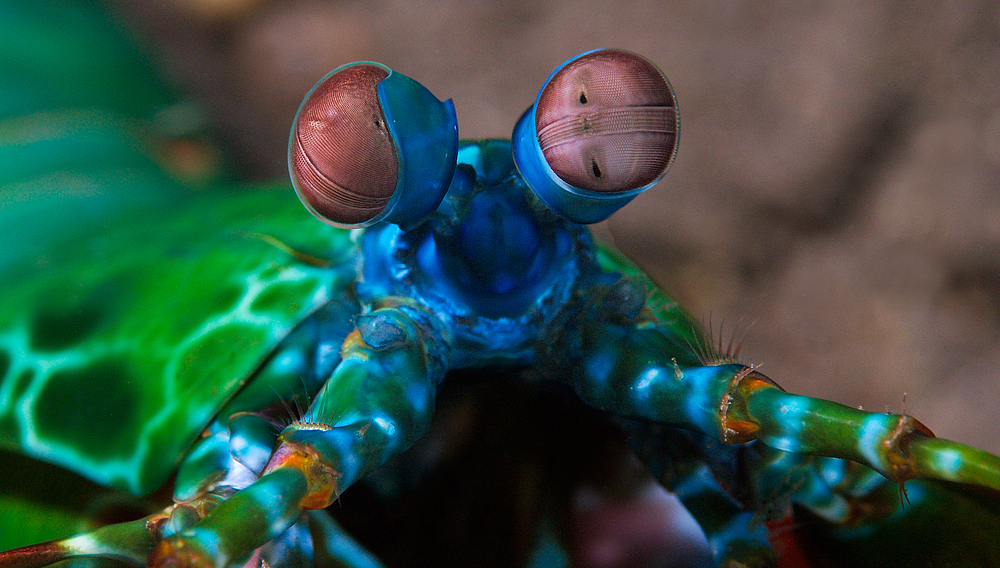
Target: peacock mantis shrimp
point(169, 337)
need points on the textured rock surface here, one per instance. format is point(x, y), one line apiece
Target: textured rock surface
point(838, 182)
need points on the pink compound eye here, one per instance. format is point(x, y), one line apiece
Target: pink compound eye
point(342, 157)
point(607, 122)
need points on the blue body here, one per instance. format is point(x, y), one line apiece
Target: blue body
point(493, 262)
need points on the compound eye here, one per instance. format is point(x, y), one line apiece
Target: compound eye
point(607, 122)
point(342, 159)
point(369, 144)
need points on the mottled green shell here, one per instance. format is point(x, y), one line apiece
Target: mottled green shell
point(120, 341)
point(131, 306)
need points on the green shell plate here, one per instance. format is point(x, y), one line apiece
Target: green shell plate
point(120, 340)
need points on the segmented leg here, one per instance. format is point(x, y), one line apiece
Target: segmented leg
point(333, 547)
point(629, 364)
point(714, 483)
point(129, 542)
point(377, 403)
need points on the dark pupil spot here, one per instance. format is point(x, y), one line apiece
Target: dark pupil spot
point(583, 98)
point(595, 168)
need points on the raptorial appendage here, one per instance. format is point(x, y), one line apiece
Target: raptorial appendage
point(648, 364)
point(378, 401)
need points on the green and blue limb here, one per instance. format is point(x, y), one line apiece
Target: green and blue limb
point(817, 507)
point(628, 369)
point(129, 542)
point(202, 483)
point(378, 401)
point(636, 364)
point(240, 440)
point(239, 443)
point(733, 533)
point(332, 546)
point(315, 539)
point(845, 511)
point(710, 480)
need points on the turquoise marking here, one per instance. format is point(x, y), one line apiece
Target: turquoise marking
point(416, 396)
point(832, 470)
point(792, 414)
point(949, 460)
point(643, 392)
point(867, 484)
point(599, 366)
point(387, 426)
point(292, 361)
point(870, 437)
point(647, 379)
point(784, 443)
point(700, 408)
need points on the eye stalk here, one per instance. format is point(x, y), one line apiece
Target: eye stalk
point(369, 144)
point(603, 129)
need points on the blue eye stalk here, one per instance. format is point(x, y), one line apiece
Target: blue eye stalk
point(370, 144)
point(603, 129)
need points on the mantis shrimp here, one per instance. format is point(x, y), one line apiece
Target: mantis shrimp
point(417, 256)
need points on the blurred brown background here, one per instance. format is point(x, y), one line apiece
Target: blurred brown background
point(838, 183)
